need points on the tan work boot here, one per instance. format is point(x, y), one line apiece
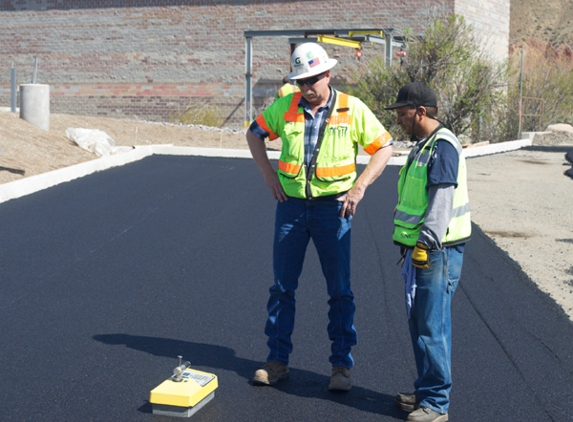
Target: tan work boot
point(406, 402)
point(424, 414)
point(340, 379)
point(271, 373)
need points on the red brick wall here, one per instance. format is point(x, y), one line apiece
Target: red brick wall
point(147, 58)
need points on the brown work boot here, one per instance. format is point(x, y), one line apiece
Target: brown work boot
point(271, 373)
point(406, 402)
point(340, 379)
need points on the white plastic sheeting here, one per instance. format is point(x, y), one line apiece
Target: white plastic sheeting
point(95, 140)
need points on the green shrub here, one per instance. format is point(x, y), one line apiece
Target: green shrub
point(470, 87)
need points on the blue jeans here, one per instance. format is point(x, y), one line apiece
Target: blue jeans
point(431, 327)
point(297, 221)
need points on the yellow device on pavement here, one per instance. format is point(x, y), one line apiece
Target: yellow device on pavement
point(184, 393)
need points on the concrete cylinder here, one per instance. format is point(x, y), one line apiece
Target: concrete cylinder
point(35, 104)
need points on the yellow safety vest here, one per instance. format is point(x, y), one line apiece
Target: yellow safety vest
point(333, 168)
point(410, 212)
point(285, 90)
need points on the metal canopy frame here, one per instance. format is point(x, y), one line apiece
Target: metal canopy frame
point(312, 35)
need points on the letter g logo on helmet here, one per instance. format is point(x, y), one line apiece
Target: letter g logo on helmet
point(310, 59)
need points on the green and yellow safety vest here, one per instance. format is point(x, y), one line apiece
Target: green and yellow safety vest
point(333, 166)
point(410, 212)
point(285, 90)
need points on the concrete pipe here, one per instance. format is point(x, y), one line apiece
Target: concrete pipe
point(35, 104)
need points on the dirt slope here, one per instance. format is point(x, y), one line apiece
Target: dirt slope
point(34, 151)
point(550, 20)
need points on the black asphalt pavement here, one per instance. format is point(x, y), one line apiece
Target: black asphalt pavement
point(106, 279)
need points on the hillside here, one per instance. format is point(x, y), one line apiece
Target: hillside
point(550, 20)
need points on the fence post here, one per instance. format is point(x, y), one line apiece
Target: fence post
point(13, 89)
point(520, 104)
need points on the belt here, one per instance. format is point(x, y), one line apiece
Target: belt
point(327, 197)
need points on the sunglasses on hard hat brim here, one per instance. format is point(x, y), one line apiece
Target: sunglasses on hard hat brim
point(310, 81)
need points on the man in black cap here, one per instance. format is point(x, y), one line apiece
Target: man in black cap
point(431, 225)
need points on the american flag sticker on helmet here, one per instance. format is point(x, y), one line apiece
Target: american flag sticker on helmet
point(314, 62)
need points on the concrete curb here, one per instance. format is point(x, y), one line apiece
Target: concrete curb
point(29, 185)
point(496, 148)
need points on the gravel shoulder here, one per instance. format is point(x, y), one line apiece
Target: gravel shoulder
point(524, 202)
point(521, 199)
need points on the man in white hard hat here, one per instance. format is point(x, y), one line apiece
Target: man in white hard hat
point(317, 190)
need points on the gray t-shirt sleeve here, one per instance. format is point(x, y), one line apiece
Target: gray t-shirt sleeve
point(438, 215)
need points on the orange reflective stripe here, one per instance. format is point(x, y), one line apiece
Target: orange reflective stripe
point(288, 167)
point(339, 119)
point(292, 115)
point(343, 100)
point(342, 117)
point(263, 124)
point(294, 103)
point(335, 171)
point(378, 143)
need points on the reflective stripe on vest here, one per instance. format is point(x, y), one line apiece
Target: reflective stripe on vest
point(378, 143)
point(333, 169)
point(411, 210)
point(289, 168)
point(293, 115)
point(341, 118)
point(263, 124)
point(415, 220)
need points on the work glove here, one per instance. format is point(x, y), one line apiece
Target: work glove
point(420, 256)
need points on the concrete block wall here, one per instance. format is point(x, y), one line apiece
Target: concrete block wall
point(490, 21)
point(150, 58)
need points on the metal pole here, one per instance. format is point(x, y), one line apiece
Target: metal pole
point(13, 89)
point(35, 76)
point(519, 107)
point(388, 56)
point(248, 81)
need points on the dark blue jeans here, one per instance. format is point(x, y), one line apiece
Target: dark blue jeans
point(431, 327)
point(298, 221)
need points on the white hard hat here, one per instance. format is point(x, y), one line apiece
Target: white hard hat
point(310, 59)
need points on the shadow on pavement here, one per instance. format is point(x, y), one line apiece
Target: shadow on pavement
point(303, 383)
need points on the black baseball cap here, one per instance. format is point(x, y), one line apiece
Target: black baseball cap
point(415, 94)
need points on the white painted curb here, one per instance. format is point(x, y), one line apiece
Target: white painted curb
point(496, 148)
point(28, 185)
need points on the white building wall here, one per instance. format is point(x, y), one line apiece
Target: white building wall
point(490, 20)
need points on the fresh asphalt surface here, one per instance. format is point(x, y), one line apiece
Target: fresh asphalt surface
point(106, 279)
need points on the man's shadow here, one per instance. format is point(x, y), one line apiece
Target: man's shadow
point(303, 383)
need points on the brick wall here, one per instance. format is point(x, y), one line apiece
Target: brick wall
point(149, 58)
